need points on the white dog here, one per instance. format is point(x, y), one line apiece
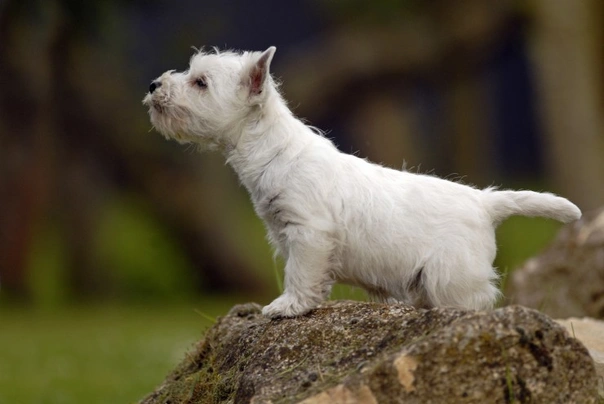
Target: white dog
point(405, 237)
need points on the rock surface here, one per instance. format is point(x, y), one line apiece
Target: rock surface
point(567, 279)
point(353, 352)
point(591, 333)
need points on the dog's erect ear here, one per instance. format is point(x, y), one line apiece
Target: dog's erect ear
point(259, 72)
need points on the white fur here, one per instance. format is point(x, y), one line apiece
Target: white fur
point(334, 217)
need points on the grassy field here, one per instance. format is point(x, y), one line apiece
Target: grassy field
point(100, 354)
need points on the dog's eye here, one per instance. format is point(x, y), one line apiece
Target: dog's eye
point(201, 83)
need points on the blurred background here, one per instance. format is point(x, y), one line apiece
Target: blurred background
point(118, 248)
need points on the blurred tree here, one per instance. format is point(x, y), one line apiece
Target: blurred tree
point(24, 142)
point(568, 50)
point(78, 139)
point(388, 49)
point(402, 78)
point(66, 122)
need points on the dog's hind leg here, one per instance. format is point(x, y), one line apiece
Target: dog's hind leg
point(465, 284)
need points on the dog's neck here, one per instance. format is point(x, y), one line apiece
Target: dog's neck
point(269, 133)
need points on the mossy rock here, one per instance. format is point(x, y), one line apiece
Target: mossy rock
point(353, 352)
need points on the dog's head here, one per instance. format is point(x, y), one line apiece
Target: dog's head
point(208, 103)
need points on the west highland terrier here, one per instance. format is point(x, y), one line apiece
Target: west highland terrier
point(334, 217)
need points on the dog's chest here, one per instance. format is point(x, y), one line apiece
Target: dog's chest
point(271, 208)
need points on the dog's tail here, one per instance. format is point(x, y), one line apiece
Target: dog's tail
point(502, 204)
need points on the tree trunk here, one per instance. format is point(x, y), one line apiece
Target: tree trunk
point(567, 53)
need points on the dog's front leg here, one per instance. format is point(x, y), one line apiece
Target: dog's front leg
point(307, 277)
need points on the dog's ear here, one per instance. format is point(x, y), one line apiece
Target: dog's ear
point(258, 73)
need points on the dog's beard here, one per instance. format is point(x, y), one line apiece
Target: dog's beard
point(179, 123)
point(157, 107)
point(171, 122)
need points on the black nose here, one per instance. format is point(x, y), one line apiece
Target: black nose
point(154, 85)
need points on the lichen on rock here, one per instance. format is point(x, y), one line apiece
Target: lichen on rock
point(353, 352)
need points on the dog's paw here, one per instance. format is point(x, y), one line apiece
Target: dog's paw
point(286, 306)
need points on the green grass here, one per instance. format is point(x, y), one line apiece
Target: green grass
point(520, 238)
point(100, 354)
point(346, 292)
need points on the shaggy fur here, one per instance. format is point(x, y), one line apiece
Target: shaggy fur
point(334, 217)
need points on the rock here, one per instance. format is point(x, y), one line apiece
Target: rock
point(591, 333)
point(354, 352)
point(567, 279)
